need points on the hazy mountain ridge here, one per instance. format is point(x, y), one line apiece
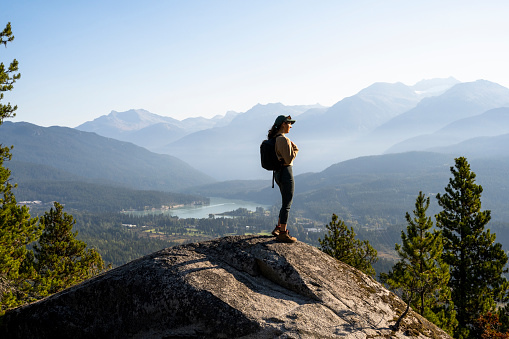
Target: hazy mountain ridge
point(133, 119)
point(433, 113)
point(232, 151)
point(491, 123)
point(367, 123)
point(324, 135)
point(479, 147)
point(237, 143)
point(150, 130)
point(93, 157)
point(363, 111)
point(434, 87)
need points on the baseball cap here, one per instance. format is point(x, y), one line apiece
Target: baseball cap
point(283, 118)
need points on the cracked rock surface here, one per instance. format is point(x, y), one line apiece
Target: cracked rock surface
point(232, 287)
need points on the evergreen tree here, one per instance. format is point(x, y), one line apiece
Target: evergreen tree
point(476, 262)
point(60, 259)
point(17, 228)
point(8, 76)
point(421, 272)
point(340, 243)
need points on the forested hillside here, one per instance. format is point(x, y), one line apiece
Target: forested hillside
point(95, 158)
point(81, 196)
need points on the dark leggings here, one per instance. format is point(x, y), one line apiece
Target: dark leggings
point(284, 179)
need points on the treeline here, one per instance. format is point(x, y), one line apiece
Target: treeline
point(82, 196)
point(117, 244)
point(123, 237)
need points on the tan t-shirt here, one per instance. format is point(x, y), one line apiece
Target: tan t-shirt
point(286, 150)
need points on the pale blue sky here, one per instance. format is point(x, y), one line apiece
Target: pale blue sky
point(82, 59)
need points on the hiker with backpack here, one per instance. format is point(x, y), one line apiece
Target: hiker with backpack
point(285, 151)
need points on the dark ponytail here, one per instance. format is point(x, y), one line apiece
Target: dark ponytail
point(273, 131)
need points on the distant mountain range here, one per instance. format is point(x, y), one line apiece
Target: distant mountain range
point(461, 101)
point(494, 122)
point(150, 130)
point(433, 114)
point(224, 150)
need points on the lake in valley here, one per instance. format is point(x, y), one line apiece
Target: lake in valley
point(216, 206)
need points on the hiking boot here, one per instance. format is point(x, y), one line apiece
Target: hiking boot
point(276, 231)
point(284, 236)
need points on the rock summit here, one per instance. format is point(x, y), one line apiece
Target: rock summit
point(232, 287)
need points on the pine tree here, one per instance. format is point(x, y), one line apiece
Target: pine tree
point(421, 272)
point(476, 261)
point(17, 228)
point(340, 243)
point(8, 76)
point(61, 260)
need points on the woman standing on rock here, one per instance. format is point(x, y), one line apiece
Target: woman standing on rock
point(286, 152)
